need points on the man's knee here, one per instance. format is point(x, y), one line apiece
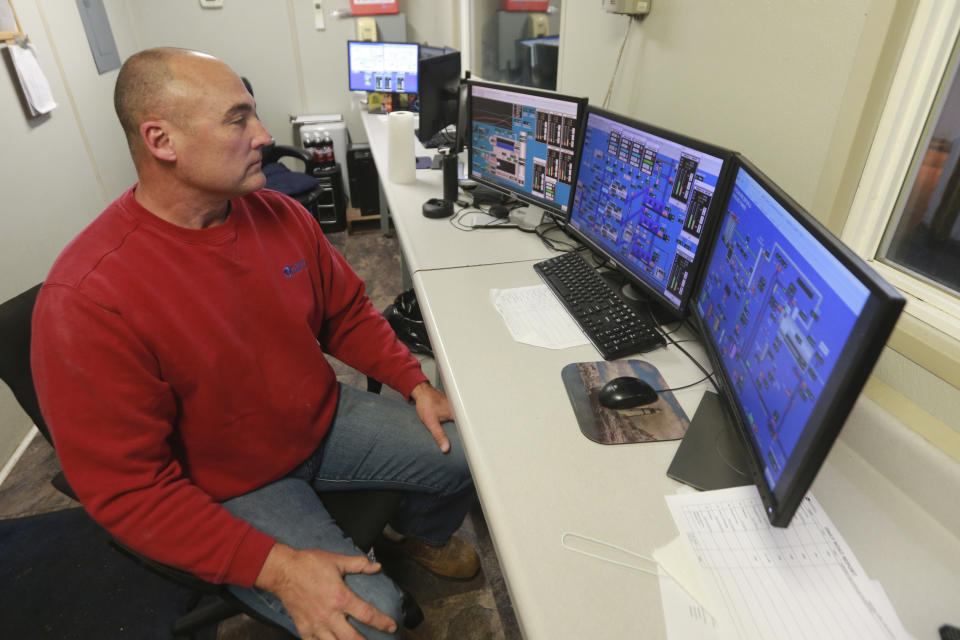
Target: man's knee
point(379, 591)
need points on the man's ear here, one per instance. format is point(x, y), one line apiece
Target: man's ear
point(156, 139)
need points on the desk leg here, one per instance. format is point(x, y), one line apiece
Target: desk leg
point(406, 280)
point(384, 211)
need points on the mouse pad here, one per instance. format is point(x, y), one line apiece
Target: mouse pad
point(663, 419)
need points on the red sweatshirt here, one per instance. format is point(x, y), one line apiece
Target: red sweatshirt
point(177, 368)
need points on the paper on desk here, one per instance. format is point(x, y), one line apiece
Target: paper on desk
point(680, 564)
point(36, 89)
point(534, 316)
point(799, 582)
point(683, 616)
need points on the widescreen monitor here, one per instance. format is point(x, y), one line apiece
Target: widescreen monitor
point(793, 322)
point(439, 99)
point(523, 141)
point(389, 67)
point(647, 200)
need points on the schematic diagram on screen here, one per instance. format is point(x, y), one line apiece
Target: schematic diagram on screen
point(525, 147)
point(647, 199)
point(772, 332)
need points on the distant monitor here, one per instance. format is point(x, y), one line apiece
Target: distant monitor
point(793, 323)
point(427, 51)
point(523, 141)
point(389, 67)
point(439, 94)
point(647, 199)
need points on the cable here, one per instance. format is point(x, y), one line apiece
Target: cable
point(686, 386)
point(563, 246)
point(694, 361)
point(606, 98)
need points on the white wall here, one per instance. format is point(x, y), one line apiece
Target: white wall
point(61, 170)
point(768, 79)
point(58, 170)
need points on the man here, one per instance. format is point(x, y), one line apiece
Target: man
point(177, 362)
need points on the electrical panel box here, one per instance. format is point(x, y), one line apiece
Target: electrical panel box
point(525, 5)
point(373, 7)
point(630, 7)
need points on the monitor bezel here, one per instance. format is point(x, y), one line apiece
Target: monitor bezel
point(855, 363)
point(436, 62)
point(379, 42)
point(724, 181)
point(552, 209)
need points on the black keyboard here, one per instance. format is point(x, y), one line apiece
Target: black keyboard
point(613, 326)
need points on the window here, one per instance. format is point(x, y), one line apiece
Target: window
point(923, 235)
point(517, 47)
point(904, 215)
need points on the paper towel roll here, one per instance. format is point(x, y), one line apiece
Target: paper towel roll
point(401, 157)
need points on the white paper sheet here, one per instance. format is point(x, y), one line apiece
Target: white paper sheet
point(534, 316)
point(683, 616)
point(802, 581)
point(34, 82)
point(676, 559)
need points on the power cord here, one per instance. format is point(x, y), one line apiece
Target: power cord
point(616, 67)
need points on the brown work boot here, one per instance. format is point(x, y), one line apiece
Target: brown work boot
point(456, 559)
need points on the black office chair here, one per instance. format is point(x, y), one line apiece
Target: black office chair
point(361, 514)
point(319, 189)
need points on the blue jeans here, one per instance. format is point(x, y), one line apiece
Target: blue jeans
point(374, 442)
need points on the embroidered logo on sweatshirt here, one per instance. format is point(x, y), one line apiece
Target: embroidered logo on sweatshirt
point(294, 268)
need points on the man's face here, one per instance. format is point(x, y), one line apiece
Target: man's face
point(216, 133)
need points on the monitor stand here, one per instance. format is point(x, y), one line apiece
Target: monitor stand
point(486, 195)
point(710, 455)
point(661, 314)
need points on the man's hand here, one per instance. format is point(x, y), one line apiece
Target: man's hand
point(433, 408)
point(310, 585)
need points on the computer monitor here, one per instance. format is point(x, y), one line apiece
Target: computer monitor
point(439, 94)
point(537, 61)
point(523, 142)
point(647, 199)
point(793, 322)
point(389, 67)
point(428, 51)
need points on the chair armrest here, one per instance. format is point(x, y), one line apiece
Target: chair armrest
point(273, 153)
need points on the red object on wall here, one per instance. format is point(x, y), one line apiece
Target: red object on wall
point(373, 7)
point(525, 5)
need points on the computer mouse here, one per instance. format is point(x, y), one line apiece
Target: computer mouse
point(627, 392)
point(498, 211)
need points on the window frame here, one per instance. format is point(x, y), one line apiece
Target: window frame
point(932, 315)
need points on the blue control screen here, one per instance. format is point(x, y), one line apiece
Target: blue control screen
point(779, 308)
point(524, 143)
point(383, 66)
point(644, 200)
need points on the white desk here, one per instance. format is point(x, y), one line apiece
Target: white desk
point(538, 477)
point(435, 243)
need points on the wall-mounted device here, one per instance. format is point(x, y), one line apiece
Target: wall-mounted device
point(629, 7)
point(538, 26)
point(373, 7)
point(525, 5)
point(367, 29)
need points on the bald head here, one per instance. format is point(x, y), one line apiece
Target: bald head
point(161, 83)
